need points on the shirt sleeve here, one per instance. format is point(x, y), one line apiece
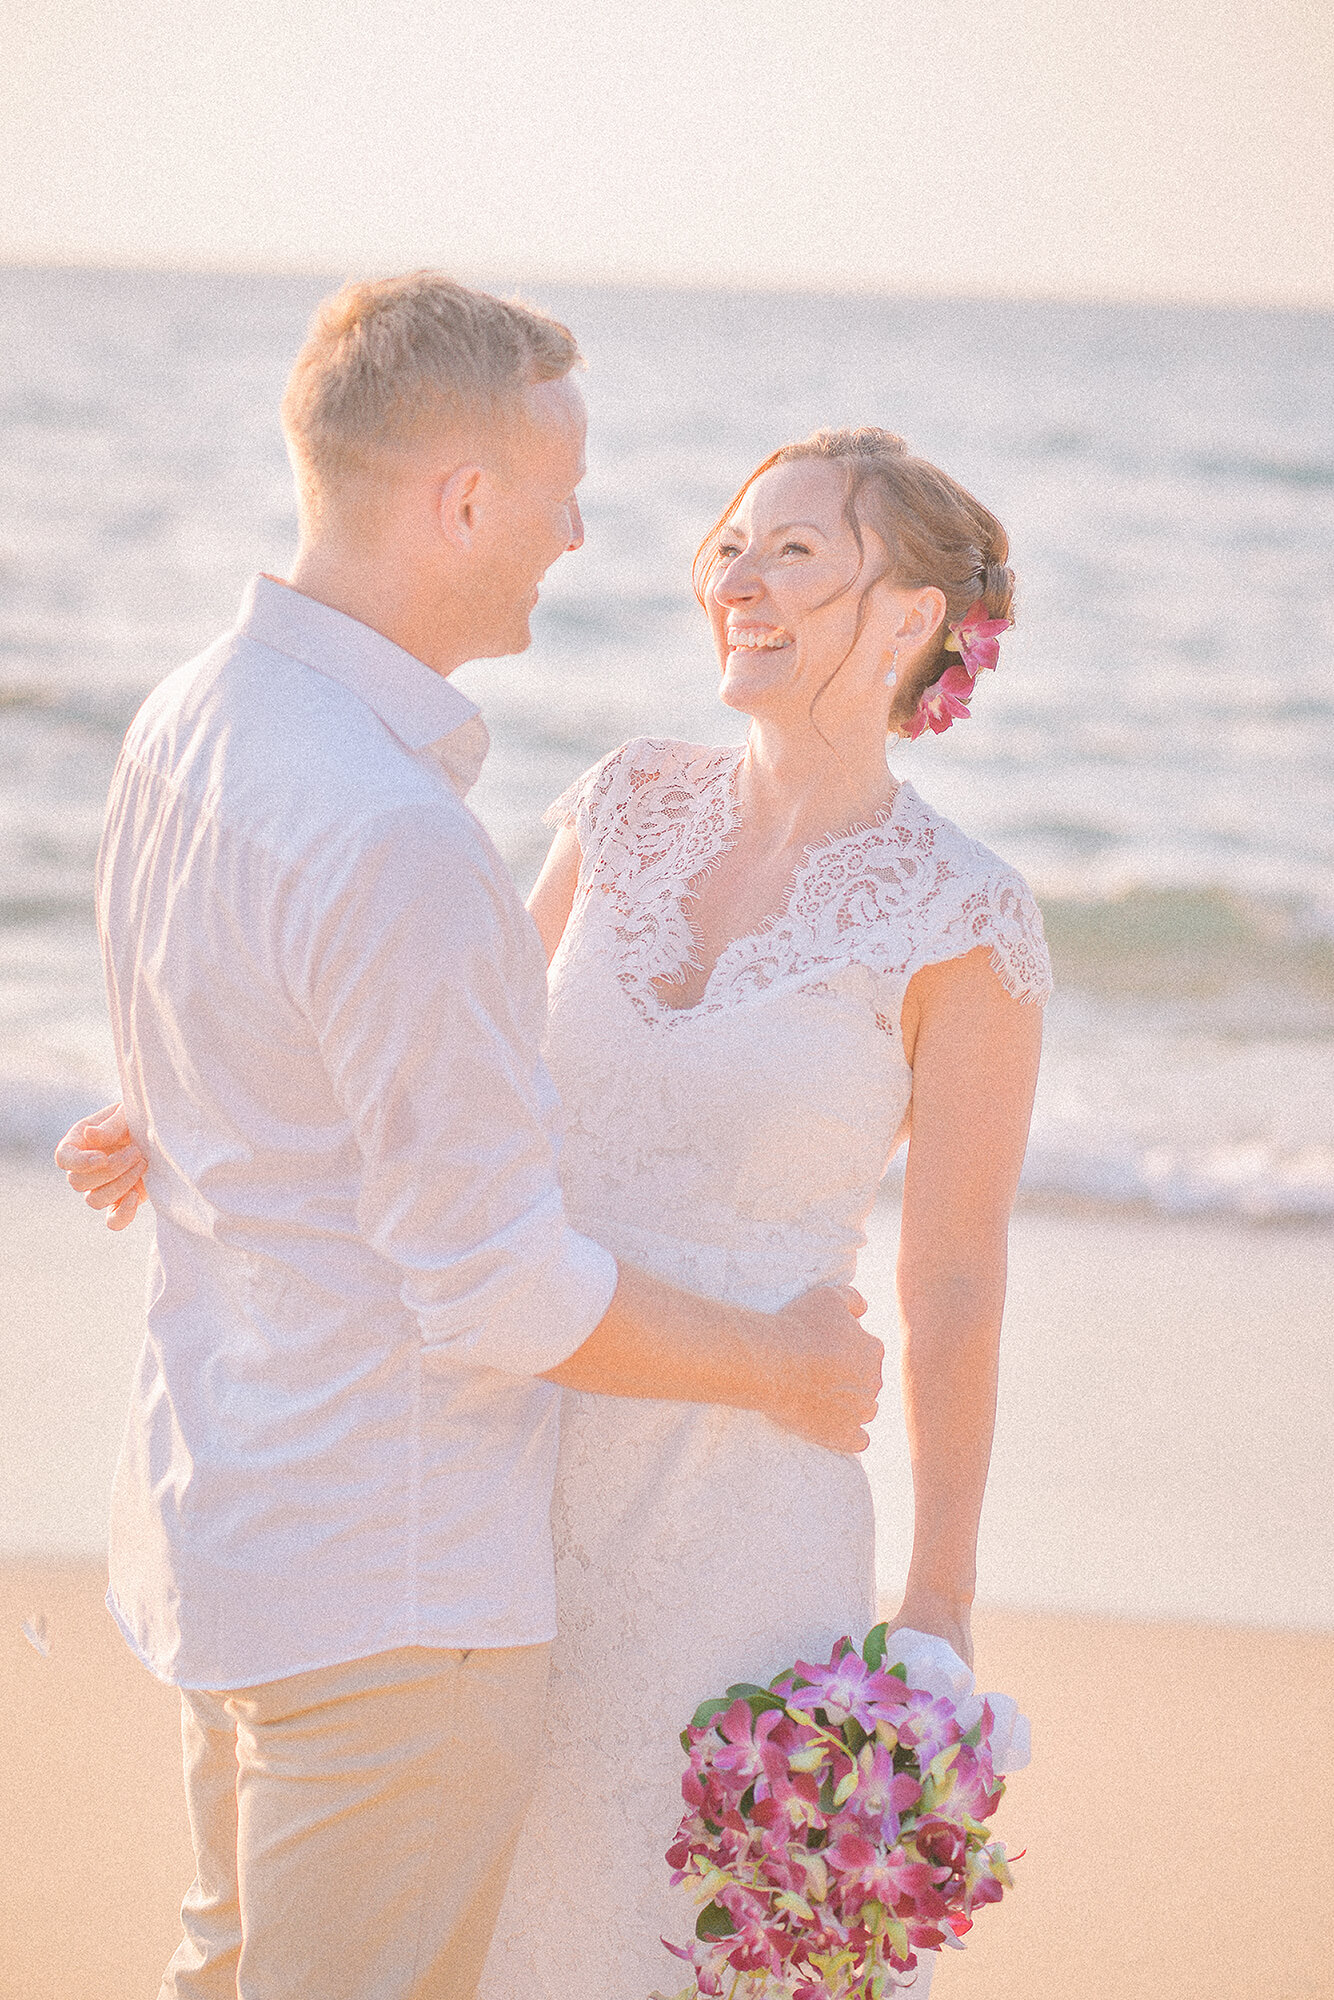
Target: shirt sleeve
point(426, 993)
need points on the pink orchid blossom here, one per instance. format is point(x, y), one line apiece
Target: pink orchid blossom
point(976, 1788)
point(942, 1844)
point(975, 638)
point(929, 1725)
point(746, 1756)
point(846, 1687)
point(944, 703)
point(882, 1793)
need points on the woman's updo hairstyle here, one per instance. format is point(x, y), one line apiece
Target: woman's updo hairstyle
point(933, 530)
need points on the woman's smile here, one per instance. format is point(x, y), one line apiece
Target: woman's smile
point(757, 638)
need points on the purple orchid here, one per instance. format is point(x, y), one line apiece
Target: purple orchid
point(976, 638)
point(929, 1725)
point(845, 1687)
point(882, 1794)
point(747, 1755)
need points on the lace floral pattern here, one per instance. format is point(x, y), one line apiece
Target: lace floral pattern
point(907, 891)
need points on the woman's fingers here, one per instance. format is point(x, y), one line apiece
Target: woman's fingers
point(106, 1131)
point(108, 1128)
point(125, 1210)
point(101, 1161)
point(86, 1170)
point(106, 1193)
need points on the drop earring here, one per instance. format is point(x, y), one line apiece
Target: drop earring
point(892, 678)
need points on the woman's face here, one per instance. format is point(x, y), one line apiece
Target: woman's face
point(786, 589)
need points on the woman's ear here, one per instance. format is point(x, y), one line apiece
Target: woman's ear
point(923, 616)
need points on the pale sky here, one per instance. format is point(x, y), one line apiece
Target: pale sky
point(1146, 148)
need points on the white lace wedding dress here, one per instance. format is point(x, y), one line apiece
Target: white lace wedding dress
point(734, 1148)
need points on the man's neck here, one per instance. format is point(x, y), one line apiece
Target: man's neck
point(370, 592)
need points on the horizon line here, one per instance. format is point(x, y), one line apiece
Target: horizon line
point(586, 278)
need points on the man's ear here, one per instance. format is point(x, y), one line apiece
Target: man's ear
point(460, 502)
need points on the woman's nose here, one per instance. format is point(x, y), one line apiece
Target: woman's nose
point(737, 583)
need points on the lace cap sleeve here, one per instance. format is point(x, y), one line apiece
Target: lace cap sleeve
point(604, 794)
point(956, 896)
point(994, 907)
point(1014, 931)
point(578, 804)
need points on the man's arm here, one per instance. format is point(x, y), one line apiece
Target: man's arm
point(461, 1175)
point(403, 950)
point(811, 1368)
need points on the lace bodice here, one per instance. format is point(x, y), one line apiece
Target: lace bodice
point(906, 891)
point(759, 1121)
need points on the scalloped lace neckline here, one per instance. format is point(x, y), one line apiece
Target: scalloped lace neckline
point(683, 894)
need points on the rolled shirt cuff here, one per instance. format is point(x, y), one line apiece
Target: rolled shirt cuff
point(542, 1323)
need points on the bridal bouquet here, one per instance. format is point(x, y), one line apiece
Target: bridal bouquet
point(835, 1822)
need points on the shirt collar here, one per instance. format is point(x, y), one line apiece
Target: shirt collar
point(421, 707)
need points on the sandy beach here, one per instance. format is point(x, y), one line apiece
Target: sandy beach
point(1142, 1877)
point(1158, 1535)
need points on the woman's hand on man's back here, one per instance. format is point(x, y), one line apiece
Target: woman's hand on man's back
point(101, 1161)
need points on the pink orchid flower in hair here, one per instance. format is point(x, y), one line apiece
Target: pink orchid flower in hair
point(976, 639)
point(945, 702)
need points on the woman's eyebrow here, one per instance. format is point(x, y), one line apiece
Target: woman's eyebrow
point(783, 528)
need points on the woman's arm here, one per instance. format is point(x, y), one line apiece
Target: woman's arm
point(974, 1054)
point(552, 896)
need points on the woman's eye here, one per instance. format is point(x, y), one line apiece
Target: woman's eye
point(794, 549)
point(726, 551)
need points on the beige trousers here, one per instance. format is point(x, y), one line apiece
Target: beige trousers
point(353, 1827)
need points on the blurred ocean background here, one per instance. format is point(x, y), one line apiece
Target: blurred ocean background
point(1156, 752)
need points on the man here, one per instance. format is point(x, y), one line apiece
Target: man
point(329, 1522)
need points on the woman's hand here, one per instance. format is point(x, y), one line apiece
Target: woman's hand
point(921, 1612)
point(101, 1161)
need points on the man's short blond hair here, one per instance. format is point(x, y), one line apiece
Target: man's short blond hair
point(386, 361)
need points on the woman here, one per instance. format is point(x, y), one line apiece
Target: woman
point(768, 966)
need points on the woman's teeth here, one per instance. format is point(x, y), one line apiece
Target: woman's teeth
point(758, 641)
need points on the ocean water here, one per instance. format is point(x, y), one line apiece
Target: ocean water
point(1156, 752)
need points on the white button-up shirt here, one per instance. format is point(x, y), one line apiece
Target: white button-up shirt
point(328, 1004)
